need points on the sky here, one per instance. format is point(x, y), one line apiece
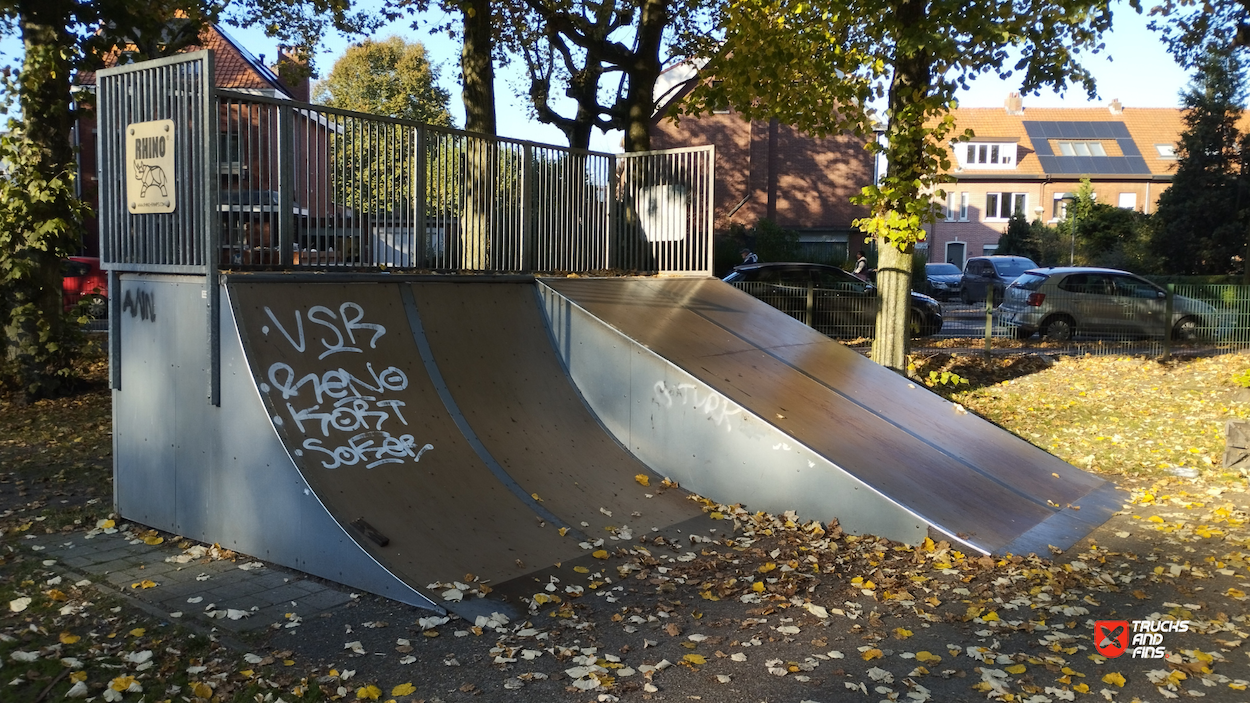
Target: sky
point(1135, 68)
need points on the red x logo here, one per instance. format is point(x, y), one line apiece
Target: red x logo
point(1111, 637)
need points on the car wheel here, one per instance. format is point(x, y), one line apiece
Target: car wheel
point(1058, 329)
point(1186, 329)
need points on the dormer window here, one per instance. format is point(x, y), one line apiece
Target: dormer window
point(1081, 149)
point(986, 155)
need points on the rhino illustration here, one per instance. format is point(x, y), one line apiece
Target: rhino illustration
point(151, 177)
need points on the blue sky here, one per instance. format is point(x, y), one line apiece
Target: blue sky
point(1134, 67)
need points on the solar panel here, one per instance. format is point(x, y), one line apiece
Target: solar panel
point(1040, 134)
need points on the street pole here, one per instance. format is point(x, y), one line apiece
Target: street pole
point(1072, 218)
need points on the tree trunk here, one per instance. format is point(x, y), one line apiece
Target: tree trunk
point(478, 73)
point(643, 73)
point(913, 77)
point(893, 337)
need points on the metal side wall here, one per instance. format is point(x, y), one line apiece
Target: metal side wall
point(685, 430)
point(216, 474)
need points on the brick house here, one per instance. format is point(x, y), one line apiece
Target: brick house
point(1027, 159)
point(767, 169)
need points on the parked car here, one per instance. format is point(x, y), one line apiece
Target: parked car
point(942, 281)
point(1063, 302)
point(842, 305)
point(982, 273)
point(84, 284)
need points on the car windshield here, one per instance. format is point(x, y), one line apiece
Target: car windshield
point(1013, 267)
point(941, 270)
point(1030, 281)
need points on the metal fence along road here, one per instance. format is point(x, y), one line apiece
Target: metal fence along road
point(1189, 317)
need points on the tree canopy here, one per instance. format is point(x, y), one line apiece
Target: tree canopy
point(390, 77)
point(1203, 215)
point(818, 65)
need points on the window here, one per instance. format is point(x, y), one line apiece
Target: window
point(963, 207)
point(1081, 149)
point(719, 109)
point(1001, 206)
point(984, 154)
point(952, 207)
point(1128, 201)
point(989, 249)
point(1060, 209)
point(1166, 151)
point(229, 153)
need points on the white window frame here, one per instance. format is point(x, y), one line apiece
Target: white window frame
point(1019, 202)
point(1131, 198)
point(963, 206)
point(1080, 147)
point(987, 155)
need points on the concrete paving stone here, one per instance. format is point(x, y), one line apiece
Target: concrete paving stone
point(180, 589)
point(323, 600)
point(234, 591)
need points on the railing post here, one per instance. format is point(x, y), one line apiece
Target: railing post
point(286, 185)
point(613, 230)
point(989, 320)
point(420, 218)
point(709, 190)
point(527, 209)
point(1167, 321)
point(811, 299)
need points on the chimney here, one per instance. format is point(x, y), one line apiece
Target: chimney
point(1115, 107)
point(292, 68)
point(1014, 104)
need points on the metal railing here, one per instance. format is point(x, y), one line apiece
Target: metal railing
point(312, 187)
point(1191, 318)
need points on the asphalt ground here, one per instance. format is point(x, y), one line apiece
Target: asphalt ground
point(739, 607)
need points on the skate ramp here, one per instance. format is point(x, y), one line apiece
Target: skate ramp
point(785, 418)
point(434, 423)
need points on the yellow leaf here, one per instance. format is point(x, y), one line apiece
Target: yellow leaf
point(76, 676)
point(871, 654)
point(201, 690)
point(121, 683)
point(403, 689)
point(247, 673)
point(928, 545)
point(68, 638)
point(541, 598)
point(717, 516)
point(758, 587)
point(1237, 686)
point(928, 657)
point(643, 479)
point(1115, 678)
point(288, 662)
point(599, 554)
point(369, 692)
point(153, 540)
point(563, 531)
point(695, 659)
point(767, 567)
point(902, 633)
point(55, 594)
point(991, 616)
point(137, 632)
point(1154, 518)
point(581, 569)
point(106, 524)
point(1017, 669)
point(1081, 688)
point(535, 497)
point(1235, 593)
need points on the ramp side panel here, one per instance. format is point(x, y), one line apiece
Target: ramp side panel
point(492, 347)
point(942, 490)
point(344, 386)
point(220, 473)
point(689, 432)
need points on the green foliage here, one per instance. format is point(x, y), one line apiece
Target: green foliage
point(774, 243)
point(1204, 216)
point(1018, 239)
point(1242, 379)
point(390, 77)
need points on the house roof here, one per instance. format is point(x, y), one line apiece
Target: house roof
point(234, 67)
point(1036, 131)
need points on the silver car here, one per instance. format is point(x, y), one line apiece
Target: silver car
point(1060, 303)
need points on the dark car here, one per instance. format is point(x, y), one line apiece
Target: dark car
point(942, 281)
point(983, 273)
point(841, 305)
point(84, 286)
point(1060, 303)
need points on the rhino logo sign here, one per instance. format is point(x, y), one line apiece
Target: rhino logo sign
point(150, 167)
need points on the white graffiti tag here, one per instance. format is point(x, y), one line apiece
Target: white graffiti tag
point(688, 395)
point(375, 448)
point(335, 402)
